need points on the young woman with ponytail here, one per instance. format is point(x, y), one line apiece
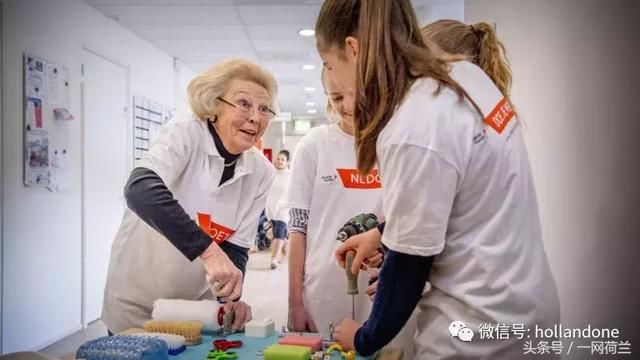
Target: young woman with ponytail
point(458, 194)
point(479, 43)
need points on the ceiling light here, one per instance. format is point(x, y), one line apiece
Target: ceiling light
point(310, 103)
point(306, 32)
point(308, 67)
point(312, 111)
point(309, 88)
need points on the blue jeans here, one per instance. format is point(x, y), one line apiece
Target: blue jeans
point(279, 229)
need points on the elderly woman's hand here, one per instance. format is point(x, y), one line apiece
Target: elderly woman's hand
point(241, 314)
point(224, 278)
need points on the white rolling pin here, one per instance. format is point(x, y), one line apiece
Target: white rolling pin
point(204, 311)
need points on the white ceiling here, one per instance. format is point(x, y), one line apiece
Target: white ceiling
point(201, 32)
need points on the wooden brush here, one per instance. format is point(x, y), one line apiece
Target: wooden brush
point(189, 329)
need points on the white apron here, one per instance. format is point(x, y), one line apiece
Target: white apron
point(144, 265)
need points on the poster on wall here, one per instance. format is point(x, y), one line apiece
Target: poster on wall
point(34, 76)
point(36, 139)
point(57, 84)
point(46, 97)
point(34, 113)
point(37, 171)
point(59, 171)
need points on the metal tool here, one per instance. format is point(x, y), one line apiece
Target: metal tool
point(352, 282)
point(356, 225)
point(225, 320)
point(332, 329)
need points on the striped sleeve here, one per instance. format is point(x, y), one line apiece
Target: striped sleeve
point(298, 219)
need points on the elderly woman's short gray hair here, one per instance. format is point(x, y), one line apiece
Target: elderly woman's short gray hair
point(207, 86)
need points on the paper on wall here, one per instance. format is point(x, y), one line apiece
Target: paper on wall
point(57, 85)
point(59, 171)
point(37, 158)
point(34, 113)
point(34, 77)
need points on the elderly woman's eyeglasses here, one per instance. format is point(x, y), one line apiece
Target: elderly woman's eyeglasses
point(245, 107)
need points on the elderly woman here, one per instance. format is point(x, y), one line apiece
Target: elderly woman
point(194, 199)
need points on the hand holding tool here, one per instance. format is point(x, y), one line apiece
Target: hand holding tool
point(356, 225)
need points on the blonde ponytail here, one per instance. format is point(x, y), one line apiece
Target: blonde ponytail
point(478, 43)
point(492, 56)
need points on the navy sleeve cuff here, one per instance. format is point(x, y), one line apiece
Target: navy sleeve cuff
point(400, 286)
point(238, 255)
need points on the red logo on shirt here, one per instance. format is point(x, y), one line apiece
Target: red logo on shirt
point(500, 116)
point(217, 232)
point(352, 180)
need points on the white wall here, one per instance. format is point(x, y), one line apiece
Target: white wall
point(1, 175)
point(183, 76)
point(431, 10)
point(292, 143)
point(272, 138)
point(42, 230)
point(576, 81)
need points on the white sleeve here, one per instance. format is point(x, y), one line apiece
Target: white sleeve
point(377, 209)
point(283, 213)
point(246, 233)
point(170, 151)
point(302, 179)
point(418, 190)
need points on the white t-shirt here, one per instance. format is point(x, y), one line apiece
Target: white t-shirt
point(275, 209)
point(461, 188)
point(144, 265)
point(324, 181)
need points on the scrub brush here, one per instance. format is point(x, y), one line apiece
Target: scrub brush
point(123, 347)
point(175, 343)
point(189, 329)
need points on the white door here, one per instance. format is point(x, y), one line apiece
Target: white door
point(1, 190)
point(105, 170)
